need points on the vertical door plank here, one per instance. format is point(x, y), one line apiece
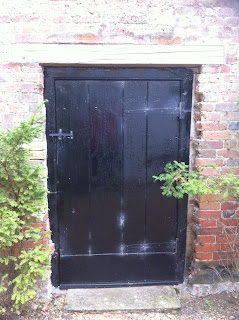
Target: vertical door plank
point(72, 114)
point(135, 105)
point(105, 99)
point(162, 147)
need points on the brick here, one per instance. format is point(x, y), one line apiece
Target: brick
point(234, 170)
point(206, 106)
point(210, 144)
point(217, 135)
point(39, 225)
point(235, 68)
point(210, 231)
point(29, 38)
point(166, 40)
point(206, 239)
point(226, 107)
point(204, 256)
point(233, 125)
point(210, 78)
point(231, 78)
point(214, 206)
point(226, 239)
point(229, 205)
point(210, 197)
point(38, 155)
point(228, 213)
point(212, 126)
point(232, 21)
point(211, 116)
point(208, 223)
point(211, 96)
point(203, 162)
point(210, 214)
point(228, 222)
point(216, 69)
point(88, 38)
point(207, 248)
point(207, 153)
point(231, 144)
point(231, 97)
point(224, 12)
point(227, 247)
point(228, 153)
point(227, 256)
point(233, 162)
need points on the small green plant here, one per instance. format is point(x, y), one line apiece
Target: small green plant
point(209, 303)
point(23, 261)
point(178, 181)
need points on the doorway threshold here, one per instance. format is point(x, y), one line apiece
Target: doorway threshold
point(153, 298)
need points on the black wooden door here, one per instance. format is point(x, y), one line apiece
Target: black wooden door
point(109, 131)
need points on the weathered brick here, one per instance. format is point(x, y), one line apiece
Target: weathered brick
point(29, 38)
point(207, 248)
point(167, 40)
point(210, 231)
point(210, 206)
point(227, 247)
point(210, 197)
point(231, 78)
point(211, 116)
point(227, 107)
point(208, 223)
point(210, 144)
point(229, 205)
point(203, 162)
point(233, 125)
point(227, 222)
point(233, 162)
point(223, 256)
point(88, 38)
point(228, 170)
point(206, 239)
point(231, 144)
point(209, 171)
point(207, 153)
point(216, 68)
point(204, 256)
point(228, 153)
point(211, 126)
point(217, 135)
point(209, 213)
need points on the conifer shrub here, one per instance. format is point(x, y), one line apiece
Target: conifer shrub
point(23, 260)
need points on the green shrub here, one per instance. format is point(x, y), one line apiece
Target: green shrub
point(22, 196)
point(178, 181)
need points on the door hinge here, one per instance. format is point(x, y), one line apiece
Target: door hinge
point(61, 135)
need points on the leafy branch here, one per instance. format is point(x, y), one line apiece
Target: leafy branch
point(178, 181)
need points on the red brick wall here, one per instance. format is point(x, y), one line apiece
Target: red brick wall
point(190, 22)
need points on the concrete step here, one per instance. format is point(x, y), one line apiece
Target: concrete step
point(148, 298)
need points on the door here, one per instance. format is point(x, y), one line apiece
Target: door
point(109, 130)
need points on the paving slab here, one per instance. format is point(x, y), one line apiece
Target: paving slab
point(152, 298)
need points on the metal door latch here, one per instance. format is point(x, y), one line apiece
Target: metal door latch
point(60, 134)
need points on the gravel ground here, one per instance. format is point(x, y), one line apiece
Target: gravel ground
point(222, 306)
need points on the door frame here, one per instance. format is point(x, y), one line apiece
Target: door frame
point(51, 74)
